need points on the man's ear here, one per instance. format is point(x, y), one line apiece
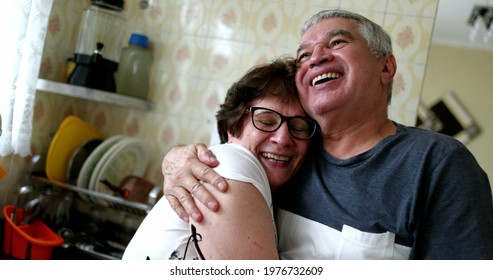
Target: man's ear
point(389, 68)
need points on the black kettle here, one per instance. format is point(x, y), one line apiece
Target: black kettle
point(99, 44)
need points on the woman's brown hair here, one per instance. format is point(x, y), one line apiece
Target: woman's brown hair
point(275, 79)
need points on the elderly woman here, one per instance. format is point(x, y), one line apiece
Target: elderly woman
point(267, 133)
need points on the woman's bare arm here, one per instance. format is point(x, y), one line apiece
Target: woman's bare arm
point(241, 229)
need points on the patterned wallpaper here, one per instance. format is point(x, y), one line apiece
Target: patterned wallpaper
point(200, 47)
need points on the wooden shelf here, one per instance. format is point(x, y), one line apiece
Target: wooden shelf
point(93, 95)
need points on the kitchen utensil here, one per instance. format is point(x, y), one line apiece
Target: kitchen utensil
point(55, 207)
point(31, 211)
point(79, 157)
point(21, 198)
point(117, 190)
point(127, 157)
point(72, 133)
point(99, 45)
point(93, 159)
point(154, 195)
point(23, 193)
point(133, 188)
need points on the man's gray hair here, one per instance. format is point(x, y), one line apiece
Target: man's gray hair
point(378, 40)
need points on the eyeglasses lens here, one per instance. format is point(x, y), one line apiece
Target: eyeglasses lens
point(270, 121)
point(300, 128)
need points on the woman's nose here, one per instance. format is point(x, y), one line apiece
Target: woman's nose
point(282, 136)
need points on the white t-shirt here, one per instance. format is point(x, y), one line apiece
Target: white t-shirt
point(163, 235)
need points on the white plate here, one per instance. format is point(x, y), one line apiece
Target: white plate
point(128, 157)
point(90, 163)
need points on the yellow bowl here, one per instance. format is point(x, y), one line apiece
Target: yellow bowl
point(72, 133)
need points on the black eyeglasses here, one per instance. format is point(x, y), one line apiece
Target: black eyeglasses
point(269, 120)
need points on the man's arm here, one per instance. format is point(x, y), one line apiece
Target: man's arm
point(183, 168)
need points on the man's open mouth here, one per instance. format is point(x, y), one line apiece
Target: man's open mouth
point(325, 78)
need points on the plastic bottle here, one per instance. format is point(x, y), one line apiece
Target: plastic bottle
point(132, 77)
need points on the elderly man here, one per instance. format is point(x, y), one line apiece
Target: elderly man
point(370, 188)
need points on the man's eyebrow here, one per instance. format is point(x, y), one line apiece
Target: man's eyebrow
point(328, 34)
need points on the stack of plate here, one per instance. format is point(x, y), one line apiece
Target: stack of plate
point(114, 159)
point(78, 155)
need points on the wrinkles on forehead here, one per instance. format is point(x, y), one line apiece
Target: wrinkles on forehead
point(328, 35)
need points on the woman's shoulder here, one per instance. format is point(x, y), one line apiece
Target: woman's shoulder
point(230, 149)
point(237, 163)
point(236, 156)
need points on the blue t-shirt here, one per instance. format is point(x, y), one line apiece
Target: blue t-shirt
point(417, 195)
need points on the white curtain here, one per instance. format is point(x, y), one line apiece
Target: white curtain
point(23, 26)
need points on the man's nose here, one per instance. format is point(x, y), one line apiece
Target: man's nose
point(320, 54)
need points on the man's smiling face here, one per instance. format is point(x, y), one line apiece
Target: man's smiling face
point(337, 70)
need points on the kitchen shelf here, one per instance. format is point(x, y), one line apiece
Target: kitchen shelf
point(100, 198)
point(93, 95)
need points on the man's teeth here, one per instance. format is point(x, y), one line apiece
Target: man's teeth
point(325, 76)
point(275, 157)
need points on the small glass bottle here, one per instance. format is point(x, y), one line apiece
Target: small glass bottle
point(132, 77)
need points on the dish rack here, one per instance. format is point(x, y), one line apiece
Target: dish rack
point(103, 199)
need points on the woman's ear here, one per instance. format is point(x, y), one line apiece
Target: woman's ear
point(231, 138)
point(234, 139)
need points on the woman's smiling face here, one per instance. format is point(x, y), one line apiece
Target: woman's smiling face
point(279, 152)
